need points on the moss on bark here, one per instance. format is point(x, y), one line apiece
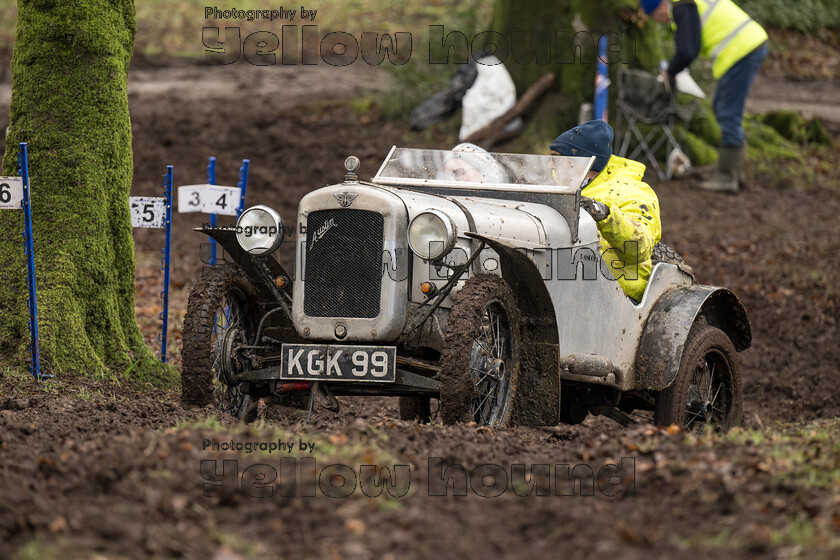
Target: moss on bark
point(69, 102)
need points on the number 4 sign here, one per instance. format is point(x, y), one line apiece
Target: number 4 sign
point(11, 192)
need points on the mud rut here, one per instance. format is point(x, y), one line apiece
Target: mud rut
point(87, 471)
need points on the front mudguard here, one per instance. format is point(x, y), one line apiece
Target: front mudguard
point(226, 237)
point(661, 347)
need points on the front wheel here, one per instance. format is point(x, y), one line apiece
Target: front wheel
point(481, 356)
point(706, 394)
point(220, 318)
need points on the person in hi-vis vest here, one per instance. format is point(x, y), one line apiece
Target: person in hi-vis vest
point(736, 45)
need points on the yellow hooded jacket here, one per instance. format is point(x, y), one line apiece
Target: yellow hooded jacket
point(633, 227)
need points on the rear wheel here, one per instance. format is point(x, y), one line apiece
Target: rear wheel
point(480, 360)
point(706, 394)
point(664, 253)
point(220, 318)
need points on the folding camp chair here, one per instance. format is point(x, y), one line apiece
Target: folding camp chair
point(643, 99)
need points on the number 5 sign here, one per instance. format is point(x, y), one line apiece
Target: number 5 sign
point(156, 212)
point(11, 192)
point(148, 211)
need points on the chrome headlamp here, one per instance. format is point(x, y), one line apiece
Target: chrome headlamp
point(431, 235)
point(259, 230)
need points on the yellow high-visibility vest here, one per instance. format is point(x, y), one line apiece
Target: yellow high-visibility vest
point(728, 34)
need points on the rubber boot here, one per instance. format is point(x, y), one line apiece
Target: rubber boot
point(725, 177)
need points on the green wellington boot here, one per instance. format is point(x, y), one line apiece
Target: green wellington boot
point(725, 177)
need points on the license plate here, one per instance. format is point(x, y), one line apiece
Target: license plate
point(310, 362)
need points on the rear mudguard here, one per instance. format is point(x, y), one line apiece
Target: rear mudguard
point(226, 237)
point(661, 346)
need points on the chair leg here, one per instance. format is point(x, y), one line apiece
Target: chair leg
point(644, 146)
point(627, 128)
point(674, 146)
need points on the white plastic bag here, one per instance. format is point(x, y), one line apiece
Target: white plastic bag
point(492, 95)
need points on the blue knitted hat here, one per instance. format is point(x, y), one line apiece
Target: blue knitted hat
point(649, 5)
point(592, 138)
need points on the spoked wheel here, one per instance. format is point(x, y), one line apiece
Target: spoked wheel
point(229, 331)
point(490, 351)
point(219, 320)
point(480, 361)
point(706, 394)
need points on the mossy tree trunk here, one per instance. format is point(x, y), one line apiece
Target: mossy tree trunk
point(69, 102)
point(633, 43)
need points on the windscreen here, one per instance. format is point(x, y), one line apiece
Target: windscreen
point(483, 170)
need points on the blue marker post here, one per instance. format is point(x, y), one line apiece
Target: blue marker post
point(243, 185)
point(211, 179)
point(602, 81)
point(23, 164)
point(165, 261)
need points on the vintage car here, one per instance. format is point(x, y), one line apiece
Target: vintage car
point(482, 289)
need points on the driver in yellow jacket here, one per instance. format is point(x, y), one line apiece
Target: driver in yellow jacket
point(625, 209)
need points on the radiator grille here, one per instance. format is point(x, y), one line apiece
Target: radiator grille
point(343, 264)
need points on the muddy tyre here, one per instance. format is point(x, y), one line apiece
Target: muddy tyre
point(418, 409)
point(221, 308)
point(706, 394)
point(481, 356)
point(664, 253)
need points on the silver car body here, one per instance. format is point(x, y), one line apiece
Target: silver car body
point(599, 329)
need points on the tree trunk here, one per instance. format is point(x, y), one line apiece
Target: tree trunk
point(69, 102)
point(575, 27)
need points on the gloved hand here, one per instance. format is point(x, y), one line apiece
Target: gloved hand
point(598, 210)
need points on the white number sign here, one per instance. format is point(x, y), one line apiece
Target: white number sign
point(147, 211)
point(11, 192)
point(209, 199)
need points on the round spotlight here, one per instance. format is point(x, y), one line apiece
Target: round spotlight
point(351, 164)
point(431, 235)
point(259, 230)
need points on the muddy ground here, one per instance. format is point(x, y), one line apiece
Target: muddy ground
point(95, 468)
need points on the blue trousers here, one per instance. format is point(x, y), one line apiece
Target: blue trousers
point(731, 95)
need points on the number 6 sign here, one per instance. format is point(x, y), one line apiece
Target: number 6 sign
point(11, 192)
point(15, 195)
